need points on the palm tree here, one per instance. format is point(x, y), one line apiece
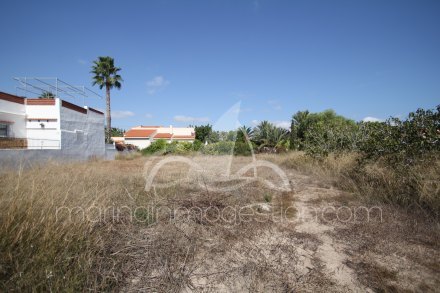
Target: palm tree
point(244, 133)
point(47, 95)
point(106, 75)
point(261, 132)
point(268, 135)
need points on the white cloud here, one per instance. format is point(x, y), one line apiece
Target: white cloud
point(121, 114)
point(156, 84)
point(372, 119)
point(182, 118)
point(255, 122)
point(148, 115)
point(282, 124)
point(275, 104)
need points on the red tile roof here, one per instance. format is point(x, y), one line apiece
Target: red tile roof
point(96, 111)
point(11, 98)
point(163, 135)
point(139, 133)
point(71, 106)
point(41, 102)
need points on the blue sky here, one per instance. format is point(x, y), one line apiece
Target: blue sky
point(189, 61)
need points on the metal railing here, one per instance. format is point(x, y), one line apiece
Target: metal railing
point(29, 143)
point(43, 144)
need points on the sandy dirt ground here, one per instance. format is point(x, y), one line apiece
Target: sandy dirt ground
point(311, 238)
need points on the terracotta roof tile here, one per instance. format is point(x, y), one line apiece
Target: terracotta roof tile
point(139, 133)
point(11, 98)
point(163, 135)
point(40, 102)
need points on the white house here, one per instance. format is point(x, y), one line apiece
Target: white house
point(143, 136)
point(50, 124)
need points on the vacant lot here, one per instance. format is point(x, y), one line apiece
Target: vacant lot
point(202, 224)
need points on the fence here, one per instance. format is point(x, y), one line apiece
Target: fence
point(29, 143)
point(43, 144)
point(13, 143)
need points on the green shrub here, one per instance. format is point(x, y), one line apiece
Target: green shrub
point(219, 148)
point(179, 148)
point(197, 145)
point(321, 139)
point(157, 146)
point(402, 143)
point(243, 148)
point(161, 146)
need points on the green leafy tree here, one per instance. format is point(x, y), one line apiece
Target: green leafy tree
point(106, 74)
point(117, 132)
point(321, 133)
point(402, 142)
point(214, 137)
point(203, 132)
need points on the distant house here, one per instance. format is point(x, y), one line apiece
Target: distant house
point(50, 124)
point(143, 136)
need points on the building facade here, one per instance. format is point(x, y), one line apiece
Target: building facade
point(143, 136)
point(42, 124)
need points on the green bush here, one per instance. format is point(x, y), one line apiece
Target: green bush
point(179, 148)
point(157, 146)
point(321, 139)
point(402, 143)
point(197, 145)
point(161, 146)
point(219, 148)
point(243, 148)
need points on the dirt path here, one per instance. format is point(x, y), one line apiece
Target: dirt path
point(300, 254)
point(330, 252)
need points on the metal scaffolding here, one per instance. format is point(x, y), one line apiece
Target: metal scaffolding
point(55, 86)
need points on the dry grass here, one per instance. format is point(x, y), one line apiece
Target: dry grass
point(41, 247)
point(171, 239)
point(415, 186)
point(59, 231)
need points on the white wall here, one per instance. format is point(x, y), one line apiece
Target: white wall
point(79, 135)
point(141, 143)
point(176, 130)
point(49, 136)
point(82, 131)
point(14, 112)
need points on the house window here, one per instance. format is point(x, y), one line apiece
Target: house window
point(3, 130)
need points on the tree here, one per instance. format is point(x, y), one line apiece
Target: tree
point(402, 142)
point(261, 132)
point(118, 132)
point(47, 95)
point(268, 135)
point(106, 75)
point(203, 132)
point(298, 128)
point(244, 134)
